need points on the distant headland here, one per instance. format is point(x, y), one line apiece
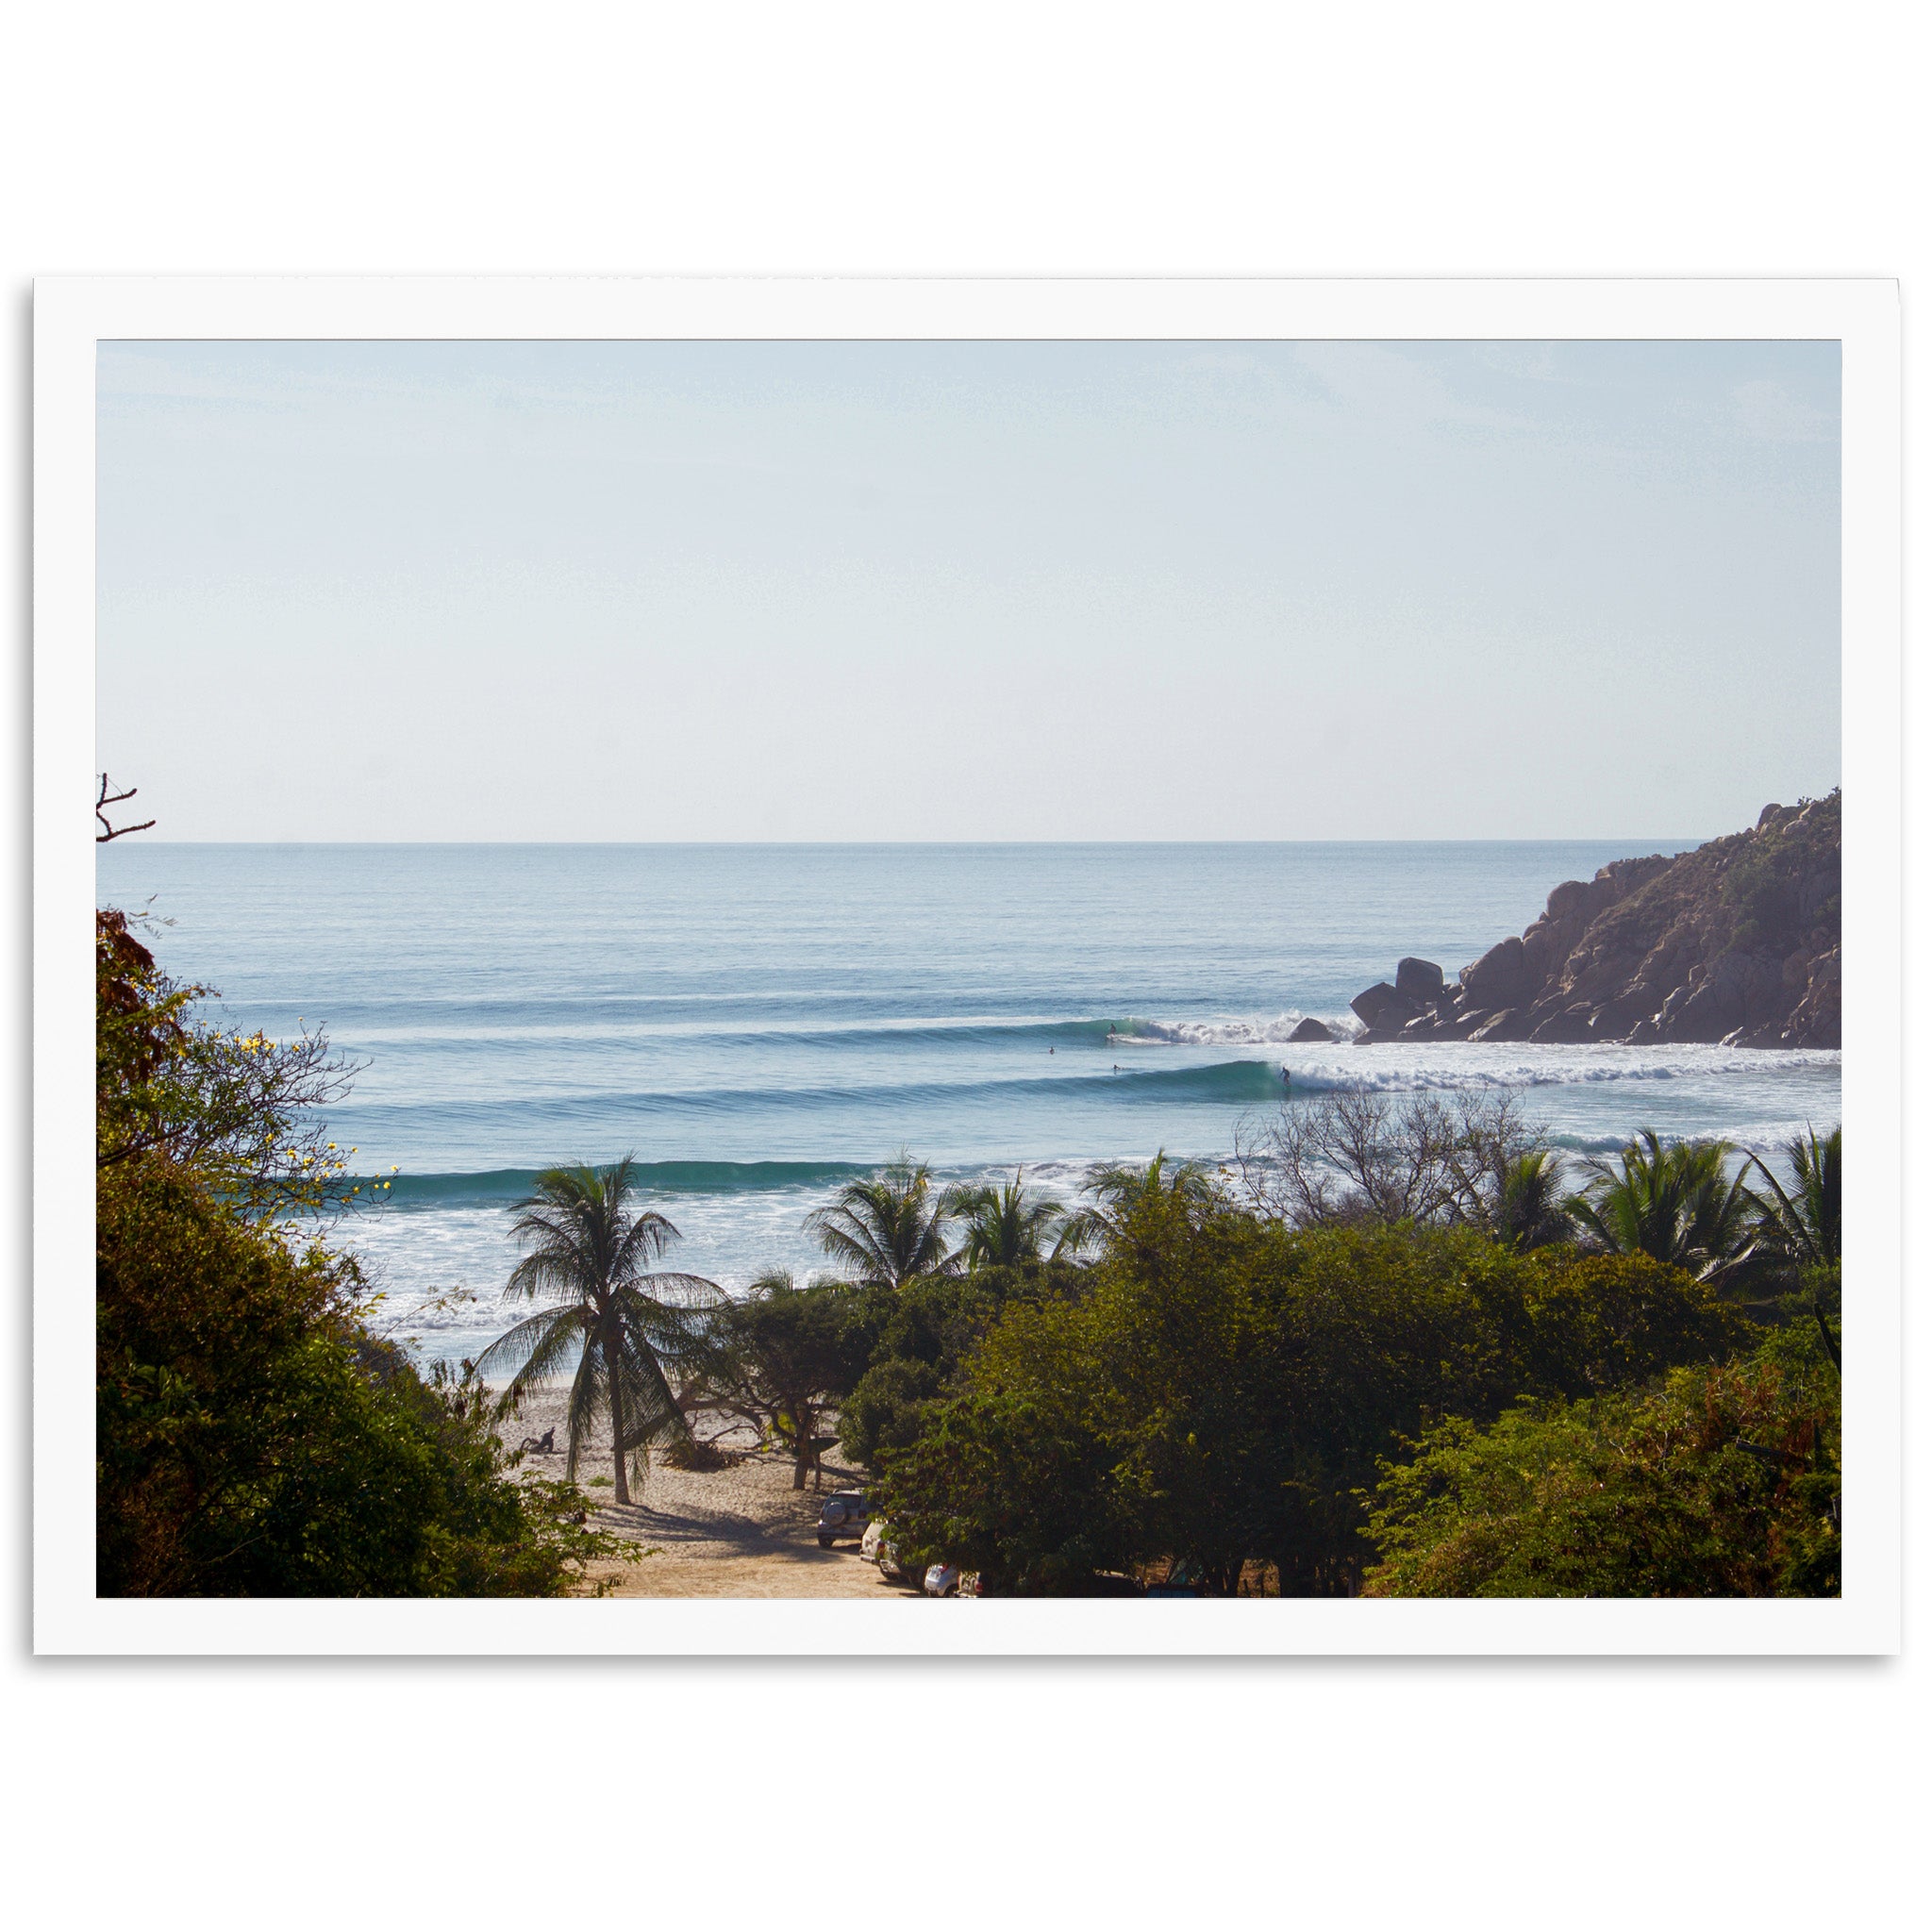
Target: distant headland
point(1736, 944)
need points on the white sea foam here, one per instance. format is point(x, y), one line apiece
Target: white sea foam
point(1401, 1067)
point(1274, 1032)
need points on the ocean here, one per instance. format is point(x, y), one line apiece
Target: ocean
point(757, 1023)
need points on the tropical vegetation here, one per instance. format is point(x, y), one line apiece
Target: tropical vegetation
point(1292, 1384)
point(255, 1434)
point(620, 1329)
point(785, 1357)
point(888, 1229)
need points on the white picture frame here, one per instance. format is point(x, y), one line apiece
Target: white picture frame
point(73, 315)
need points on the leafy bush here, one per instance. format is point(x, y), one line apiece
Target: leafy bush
point(1724, 1483)
point(1021, 1490)
point(1226, 1389)
point(252, 1439)
point(920, 1338)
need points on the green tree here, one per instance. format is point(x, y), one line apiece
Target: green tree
point(1725, 1482)
point(1799, 1228)
point(783, 1356)
point(251, 1439)
point(250, 1436)
point(924, 1334)
point(1679, 1204)
point(888, 1229)
point(1531, 1208)
point(241, 1109)
point(1120, 1190)
point(620, 1327)
point(1018, 1486)
point(1237, 1382)
point(1803, 1222)
point(1004, 1226)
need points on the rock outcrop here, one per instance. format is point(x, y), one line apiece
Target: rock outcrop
point(1310, 1030)
point(1736, 942)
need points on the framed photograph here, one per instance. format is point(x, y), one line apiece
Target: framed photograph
point(1079, 966)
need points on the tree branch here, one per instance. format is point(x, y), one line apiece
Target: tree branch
point(108, 798)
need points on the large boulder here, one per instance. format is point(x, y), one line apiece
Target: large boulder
point(1370, 1004)
point(1309, 1030)
point(1500, 977)
point(1419, 979)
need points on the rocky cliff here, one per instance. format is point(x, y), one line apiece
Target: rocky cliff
point(1736, 942)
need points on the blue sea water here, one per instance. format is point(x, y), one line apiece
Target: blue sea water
point(755, 1023)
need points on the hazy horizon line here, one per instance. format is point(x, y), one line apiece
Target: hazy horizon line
point(923, 844)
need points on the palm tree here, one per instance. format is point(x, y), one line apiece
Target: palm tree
point(1678, 1205)
point(590, 1256)
point(1804, 1225)
point(888, 1229)
point(1801, 1230)
point(1530, 1209)
point(1119, 1189)
point(1004, 1226)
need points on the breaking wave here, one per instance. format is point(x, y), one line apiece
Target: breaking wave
point(1462, 1067)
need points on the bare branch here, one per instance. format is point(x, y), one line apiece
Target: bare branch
point(101, 804)
point(1358, 1156)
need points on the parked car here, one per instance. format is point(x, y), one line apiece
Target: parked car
point(1182, 1578)
point(876, 1547)
point(942, 1579)
point(1108, 1583)
point(845, 1514)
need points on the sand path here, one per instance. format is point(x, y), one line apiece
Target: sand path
point(742, 1531)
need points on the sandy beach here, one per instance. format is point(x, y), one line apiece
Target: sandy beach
point(741, 1531)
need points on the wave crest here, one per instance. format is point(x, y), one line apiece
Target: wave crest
point(1274, 1032)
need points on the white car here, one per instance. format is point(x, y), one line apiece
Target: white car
point(876, 1547)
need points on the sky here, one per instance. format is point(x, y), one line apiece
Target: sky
point(967, 591)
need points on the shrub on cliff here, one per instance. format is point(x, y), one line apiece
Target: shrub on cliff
point(1783, 884)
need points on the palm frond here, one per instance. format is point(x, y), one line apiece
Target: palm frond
point(1530, 1209)
point(1680, 1205)
point(889, 1227)
point(588, 1399)
point(531, 1340)
point(1084, 1229)
point(1005, 1225)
